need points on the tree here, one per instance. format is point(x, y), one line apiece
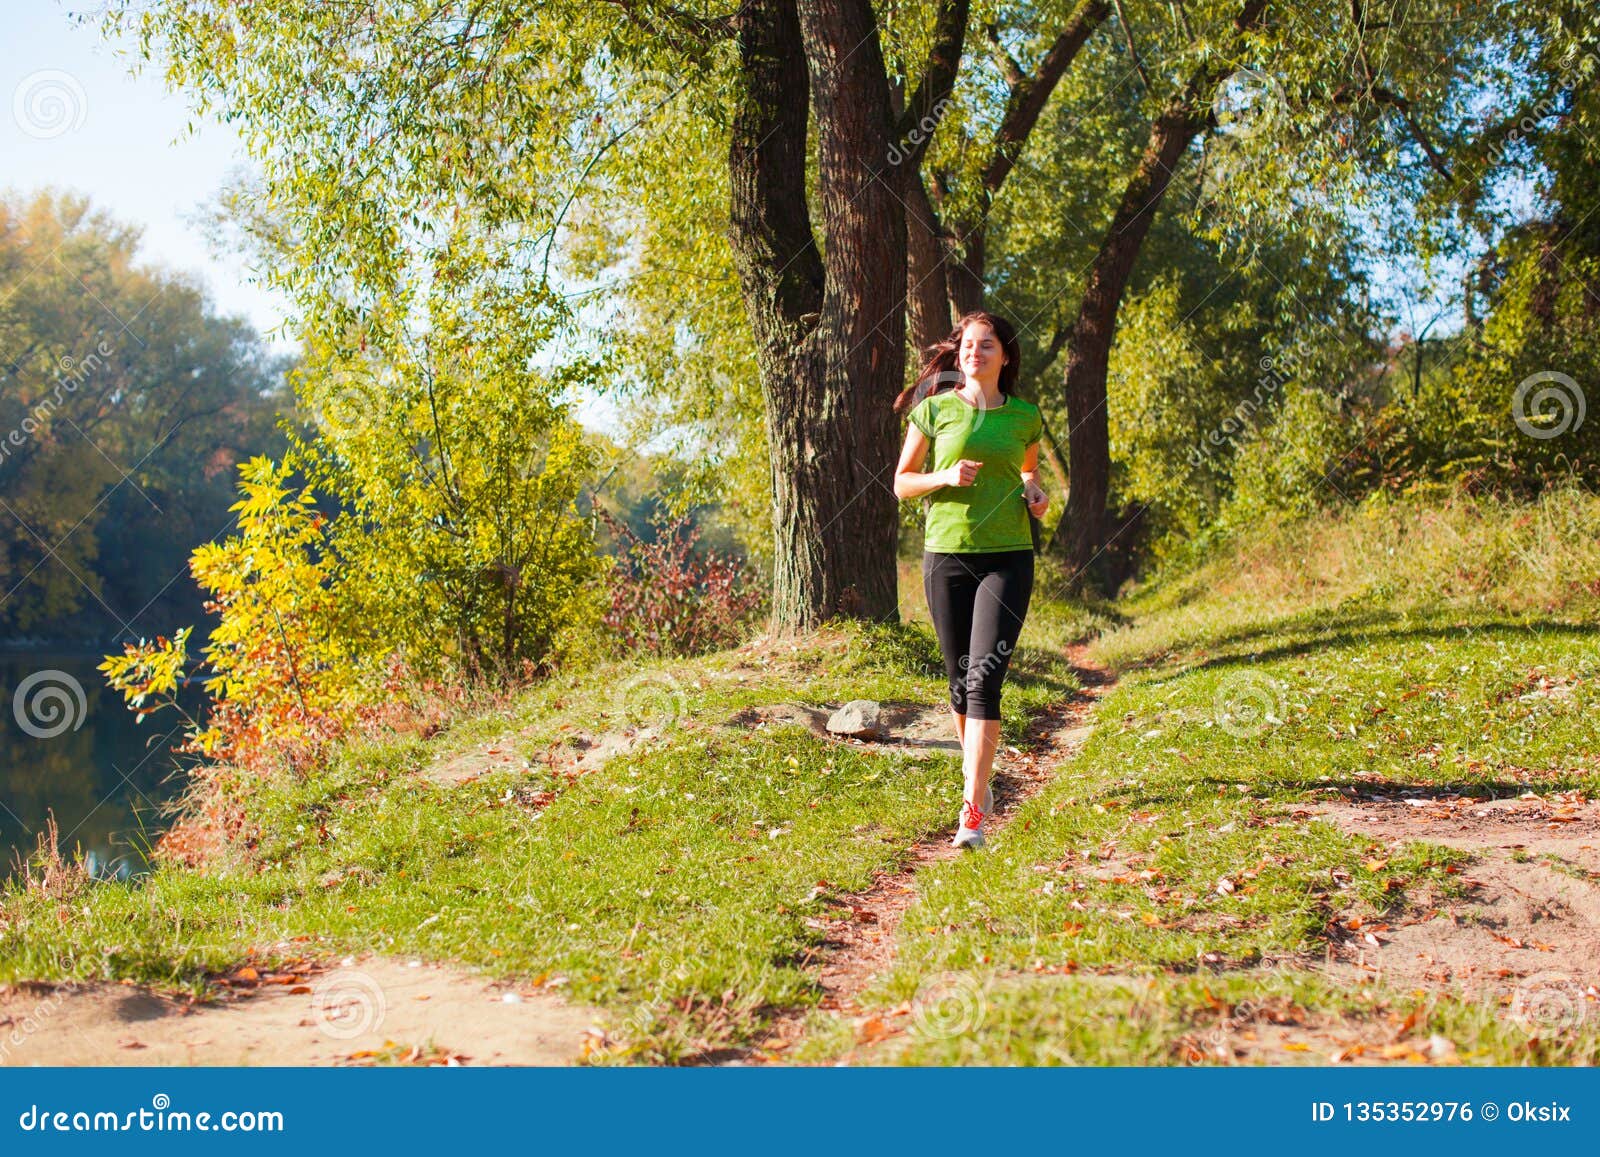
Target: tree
point(829, 324)
point(948, 212)
point(124, 404)
point(1330, 115)
point(378, 124)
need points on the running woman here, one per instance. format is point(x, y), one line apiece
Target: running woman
point(977, 566)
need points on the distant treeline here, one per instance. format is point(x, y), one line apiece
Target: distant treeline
point(126, 402)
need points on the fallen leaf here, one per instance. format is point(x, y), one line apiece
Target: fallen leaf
point(874, 1030)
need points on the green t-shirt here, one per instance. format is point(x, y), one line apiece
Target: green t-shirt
point(990, 514)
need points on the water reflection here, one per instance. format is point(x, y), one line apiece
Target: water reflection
point(69, 745)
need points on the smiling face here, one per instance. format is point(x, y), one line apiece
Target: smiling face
point(980, 355)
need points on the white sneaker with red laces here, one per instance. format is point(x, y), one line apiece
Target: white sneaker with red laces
point(969, 833)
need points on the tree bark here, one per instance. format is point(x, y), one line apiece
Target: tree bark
point(830, 331)
point(927, 290)
point(1081, 531)
point(964, 271)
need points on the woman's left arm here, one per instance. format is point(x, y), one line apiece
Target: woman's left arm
point(1032, 493)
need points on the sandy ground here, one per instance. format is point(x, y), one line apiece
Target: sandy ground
point(1524, 939)
point(370, 1010)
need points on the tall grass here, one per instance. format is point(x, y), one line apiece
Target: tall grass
point(1394, 556)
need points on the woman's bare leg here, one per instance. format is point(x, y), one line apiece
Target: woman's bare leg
point(978, 747)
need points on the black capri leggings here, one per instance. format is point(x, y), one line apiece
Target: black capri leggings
point(978, 602)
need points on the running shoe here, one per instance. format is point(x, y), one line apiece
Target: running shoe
point(969, 833)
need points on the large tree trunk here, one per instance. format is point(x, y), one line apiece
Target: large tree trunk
point(1081, 531)
point(830, 332)
point(927, 292)
point(964, 273)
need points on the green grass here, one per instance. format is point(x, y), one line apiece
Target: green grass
point(680, 885)
point(1161, 882)
point(1284, 672)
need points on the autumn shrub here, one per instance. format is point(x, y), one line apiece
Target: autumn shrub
point(666, 597)
point(282, 681)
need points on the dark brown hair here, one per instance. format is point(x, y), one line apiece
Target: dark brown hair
point(939, 373)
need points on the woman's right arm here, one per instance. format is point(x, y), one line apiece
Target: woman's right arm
point(908, 483)
point(911, 484)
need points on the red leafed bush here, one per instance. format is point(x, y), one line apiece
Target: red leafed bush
point(668, 598)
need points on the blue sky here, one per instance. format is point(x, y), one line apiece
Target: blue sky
point(75, 118)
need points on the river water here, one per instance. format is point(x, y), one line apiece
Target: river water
point(70, 746)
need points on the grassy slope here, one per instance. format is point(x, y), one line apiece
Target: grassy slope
point(673, 885)
point(1390, 643)
point(1290, 665)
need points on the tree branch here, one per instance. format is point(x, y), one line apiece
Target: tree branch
point(1032, 93)
point(1009, 68)
point(1133, 49)
point(1374, 91)
point(1381, 95)
point(915, 125)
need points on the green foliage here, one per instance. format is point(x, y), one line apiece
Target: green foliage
point(282, 679)
point(125, 402)
point(457, 472)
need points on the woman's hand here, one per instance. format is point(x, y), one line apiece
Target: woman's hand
point(963, 473)
point(1033, 494)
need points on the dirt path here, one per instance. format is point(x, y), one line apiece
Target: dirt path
point(1531, 912)
point(363, 1011)
point(861, 948)
point(1524, 938)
